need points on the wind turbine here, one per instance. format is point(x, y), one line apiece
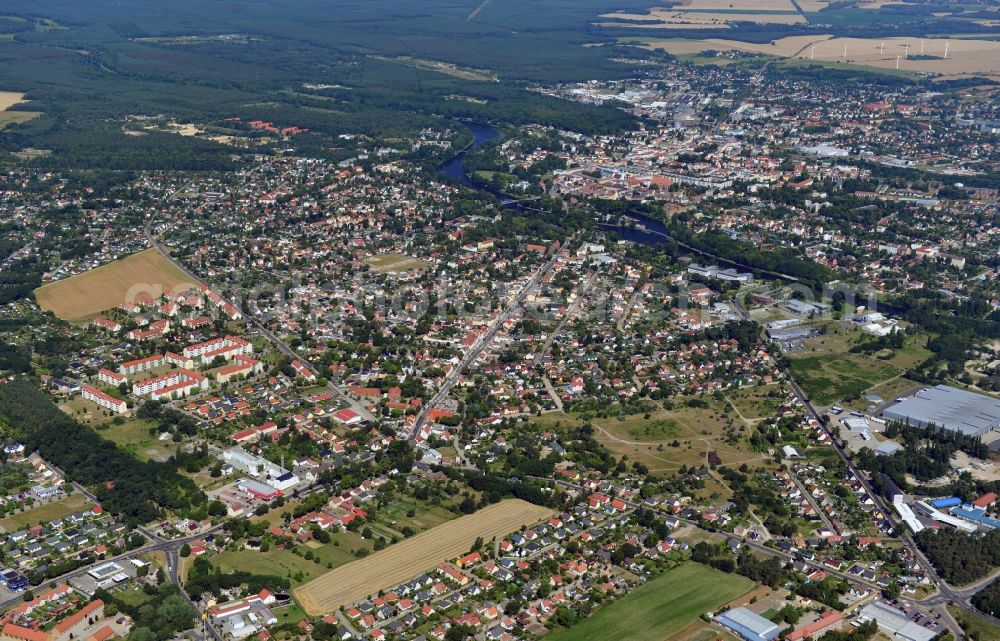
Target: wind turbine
point(946, 43)
point(921, 46)
point(812, 52)
point(897, 62)
point(881, 48)
point(845, 52)
point(906, 54)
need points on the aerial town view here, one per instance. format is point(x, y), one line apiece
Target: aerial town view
point(499, 320)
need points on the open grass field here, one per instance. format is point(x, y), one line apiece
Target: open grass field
point(393, 263)
point(82, 296)
point(830, 379)
point(659, 608)
point(132, 435)
point(755, 403)
point(974, 627)
point(697, 431)
point(276, 561)
point(17, 117)
point(355, 581)
point(829, 373)
point(46, 512)
point(446, 68)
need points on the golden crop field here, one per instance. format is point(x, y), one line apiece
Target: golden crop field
point(674, 19)
point(84, 295)
point(7, 100)
point(965, 55)
point(785, 47)
point(740, 5)
point(356, 580)
point(10, 98)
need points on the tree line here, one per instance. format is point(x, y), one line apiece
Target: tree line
point(133, 490)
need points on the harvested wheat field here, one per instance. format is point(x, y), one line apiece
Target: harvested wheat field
point(964, 55)
point(812, 6)
point(673, 19)
point(784, 48)
point(79, 297)
point(356, 580)
point(10, 98)
point(739, 5)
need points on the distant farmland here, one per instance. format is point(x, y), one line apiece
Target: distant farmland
point(85, 295)
point(355, 581)
point(7, 117)
point(915, 55)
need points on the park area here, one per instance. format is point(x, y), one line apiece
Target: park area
point(81, 297)
point(692, 433)
point(356, 580)
point(660, 608)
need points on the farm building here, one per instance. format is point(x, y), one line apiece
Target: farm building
point(948, 407)
point(749, 625)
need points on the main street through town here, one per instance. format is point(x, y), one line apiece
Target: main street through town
point(484, 340)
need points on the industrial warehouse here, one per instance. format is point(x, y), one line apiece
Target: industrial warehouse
point(950, 408)
point(749, 625)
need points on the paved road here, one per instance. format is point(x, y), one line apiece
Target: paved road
point(278, 343)
point(161, 545)
point(584, 287)
point(945, 592)
point(483, 342)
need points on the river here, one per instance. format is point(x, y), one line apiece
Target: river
point(647, 231)
point(455, 168)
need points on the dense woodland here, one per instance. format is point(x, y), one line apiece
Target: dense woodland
point(988, 599)
point(203, 577)
point(958, 557)
point(370, 66)
point(135, 491)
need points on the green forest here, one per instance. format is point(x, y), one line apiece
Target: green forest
point(135, 491)
point(348, 68)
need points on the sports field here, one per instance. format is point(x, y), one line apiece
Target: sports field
point(84, 295)
point(394, 263)
point(355, 581)
point(659, 608)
